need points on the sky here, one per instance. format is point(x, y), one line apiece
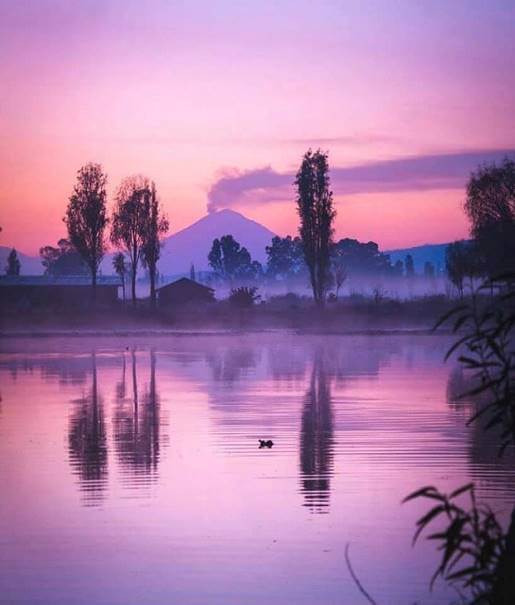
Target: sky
point(217, 101)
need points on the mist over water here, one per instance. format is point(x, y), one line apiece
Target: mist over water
point(131, 472)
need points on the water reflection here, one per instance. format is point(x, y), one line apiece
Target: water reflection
point(72, 370)
point(87, 442)
point(230, 364)
point(354, 422)
point(316, 438)
point(136, 422)
point(121, 386)
point(483, 442)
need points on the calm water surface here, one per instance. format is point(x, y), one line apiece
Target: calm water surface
point(130, 472)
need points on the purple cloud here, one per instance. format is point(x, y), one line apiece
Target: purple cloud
point(240, 187)
point(421, 173)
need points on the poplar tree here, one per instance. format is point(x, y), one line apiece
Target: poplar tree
point(316, 213)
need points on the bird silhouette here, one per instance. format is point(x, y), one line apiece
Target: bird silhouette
point(265, 443)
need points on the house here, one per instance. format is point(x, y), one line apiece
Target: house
point(55, 291)
point(184, 291)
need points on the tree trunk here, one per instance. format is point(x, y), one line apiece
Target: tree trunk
point(320, 287)
point(94, 285)
point(134, 267)
point(312, 279)
point(134, 391)
point(133, 285)
point(152, 275)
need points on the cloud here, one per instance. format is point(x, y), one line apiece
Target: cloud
point(240, 187)
point(355, 140)
point(418, 173)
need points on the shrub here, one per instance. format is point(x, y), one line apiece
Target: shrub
point(244, 296)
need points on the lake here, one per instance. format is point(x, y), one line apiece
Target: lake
point(130, 469)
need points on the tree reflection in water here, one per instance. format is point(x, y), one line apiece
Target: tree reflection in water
point(316, 439)
point(136, 423)
point(87, 443)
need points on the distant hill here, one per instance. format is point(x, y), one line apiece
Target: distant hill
point(30, 265)
point(434, 253)
point(192, 244)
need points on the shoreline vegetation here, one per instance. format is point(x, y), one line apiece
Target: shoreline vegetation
point(203, 333)
point(354, 315)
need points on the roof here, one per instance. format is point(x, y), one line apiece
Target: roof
point(185, 282)
point(57, 280)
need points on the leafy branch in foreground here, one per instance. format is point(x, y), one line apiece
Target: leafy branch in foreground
point(472, 543)
point(486, 350)
point(476, 554)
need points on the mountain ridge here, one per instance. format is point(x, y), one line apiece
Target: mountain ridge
point(192, 244)
point(433, 253)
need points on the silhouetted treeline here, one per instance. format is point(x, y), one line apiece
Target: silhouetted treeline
point(312, 258)
point(490, 206)
point(137, 226)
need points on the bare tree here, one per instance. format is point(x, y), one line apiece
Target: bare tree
point(130, 222)
point(86, 217)
point(157, 226)
point(316, 212)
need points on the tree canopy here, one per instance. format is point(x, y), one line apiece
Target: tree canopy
point(231, 261)
point(62, 260)
point(130, 221)
point(461, 261)
point(316, 213)
point(156, 226)
point(86, 216)
point(361, 258)
point(490, 205)
point(285, 258)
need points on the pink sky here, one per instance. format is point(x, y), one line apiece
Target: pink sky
point(184, 92)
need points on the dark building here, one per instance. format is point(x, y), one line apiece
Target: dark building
point(55, 291)
point(184, 291)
